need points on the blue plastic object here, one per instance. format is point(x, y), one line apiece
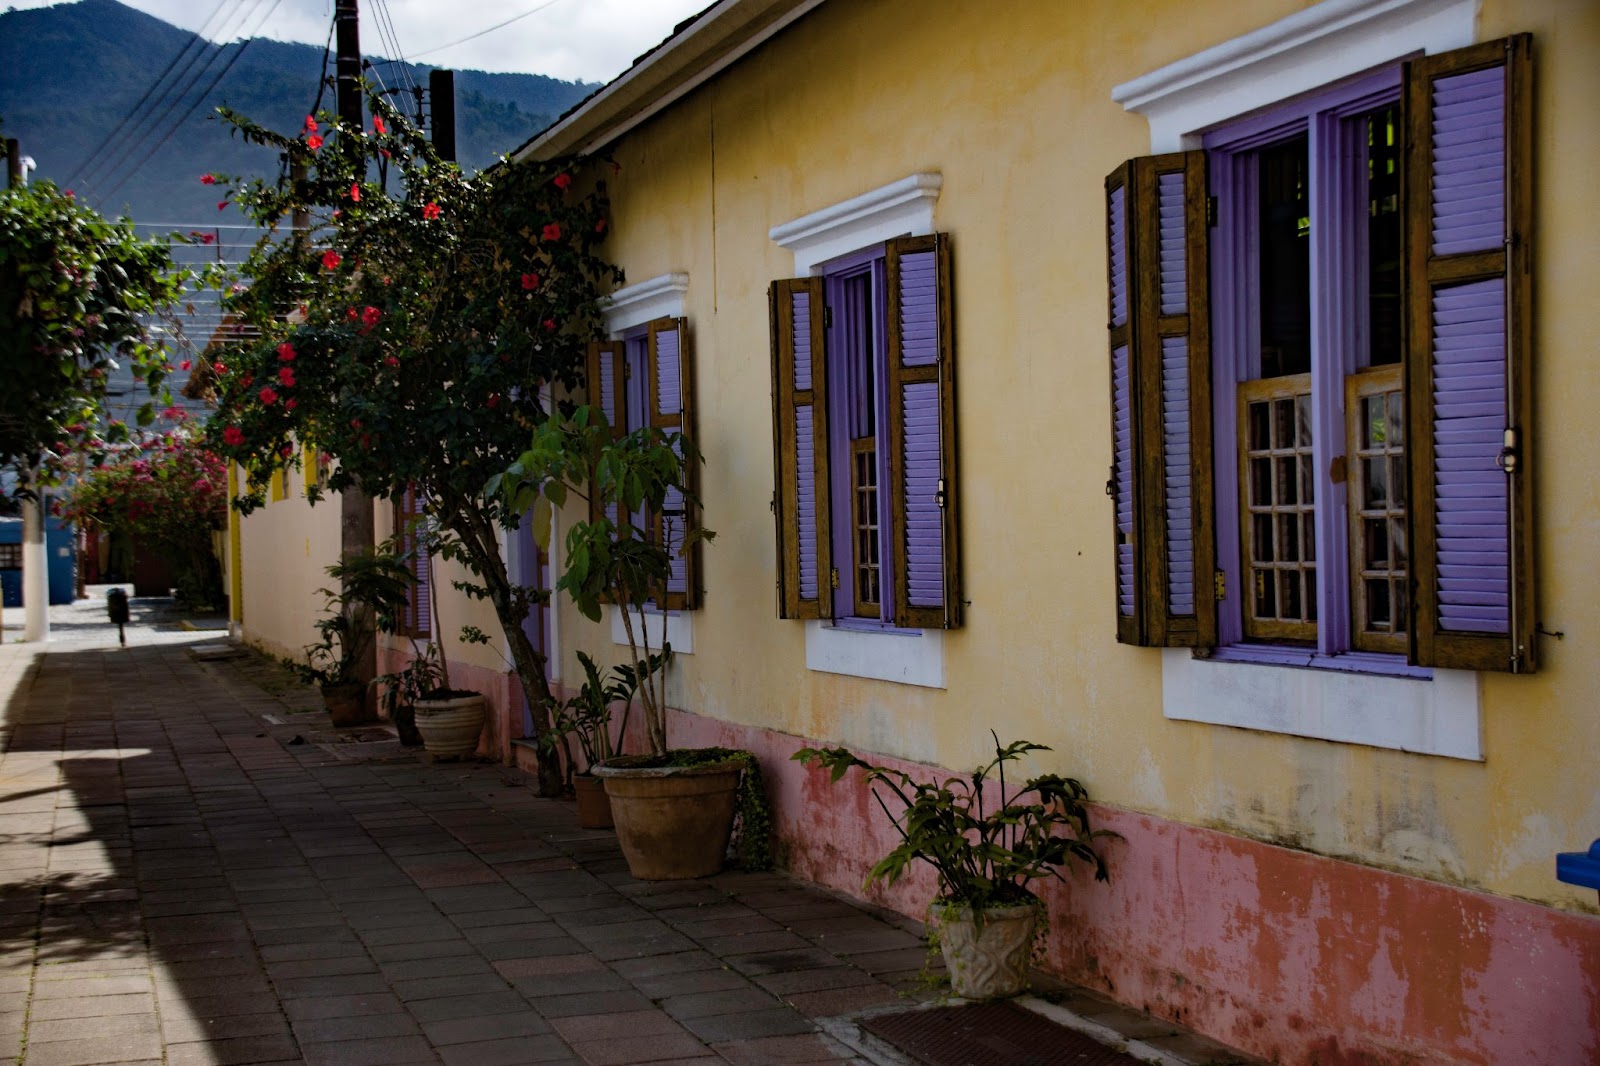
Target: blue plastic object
point(1580, 867)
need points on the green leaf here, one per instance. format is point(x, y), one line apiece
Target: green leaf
point(542, 512)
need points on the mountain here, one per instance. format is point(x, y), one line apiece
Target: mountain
point(69, 74)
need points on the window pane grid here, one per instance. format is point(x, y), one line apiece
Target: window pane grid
point(1279, 505)
point(864, 523)
point(1375, 408)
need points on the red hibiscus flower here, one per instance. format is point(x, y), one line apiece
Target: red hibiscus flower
point(286, 377)
point(552, 231)
point(207, 238)
point(268, 394)
point(377, 124)
point(494, 400)
point(221, 368)
point(208, 179)
point(311, 124)
point(385, 153)
point(286, 451)
point(430, 211)
point(390, 361)
point(550, 324)
point(185, 365)
point(233, 436)
point(355, 192)
point(600, 227)
point(222, 205)
point(530, 282)
point(561, 181)
point(351, 313)
point(289, 405)
point(285, 352)
point(313, 142)
point(331, 260)
point(247, 381)
point(370, 316)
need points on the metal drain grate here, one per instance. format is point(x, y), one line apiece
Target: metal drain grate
point(990, 1034)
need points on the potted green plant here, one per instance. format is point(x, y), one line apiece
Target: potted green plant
point(586, 716)
point(674, 809)
point(371, 581)
point(987, 850)
point(449, 719)
point(402, 689)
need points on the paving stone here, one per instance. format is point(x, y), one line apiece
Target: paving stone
point(322, 1030)
point(109, 1025)
point(508, 1052)
point(478, 1006)
point(769, 1051)
point(92, 1007)
point(233, 1052)
point(705, 1004)
point(300, 1010)
point(466, 1030)
point(623, 1050)
point(776, 1021)
point(370, 1051)
point(553, 1007)
point(178, 1027)
point(100, 1049)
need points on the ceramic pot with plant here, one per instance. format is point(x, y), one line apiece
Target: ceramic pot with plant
point(674, 809)
point(404, 687)
point(373, 588)
point(987, 850)
point(450, 720)
point(587, 718)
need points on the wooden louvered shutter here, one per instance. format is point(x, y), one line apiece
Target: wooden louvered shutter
point(419, 608)
point(671, 407)
point(606, 372)
point(1160, 341)
point(1469, 396)
point(923, 494)
point(800, 449)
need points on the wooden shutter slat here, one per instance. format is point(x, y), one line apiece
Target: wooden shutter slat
point(606, 366)
point(800, 449)
point(923, 485)
point(671, 407)
point(1161, 474)
point(1468, 218)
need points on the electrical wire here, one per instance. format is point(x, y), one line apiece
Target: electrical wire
point(386, 19)
point(488, 30)
point(107, 163)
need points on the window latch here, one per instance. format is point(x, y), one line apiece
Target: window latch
point(1507, 459)
point(1111, 482)
point(938, 496)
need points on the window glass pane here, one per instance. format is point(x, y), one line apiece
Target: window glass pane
point(1383, 233)
point(1285, 259)
point(1277, 510)
point(1377, 495)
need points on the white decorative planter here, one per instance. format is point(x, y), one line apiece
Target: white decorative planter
point(452, 726)
point(990, 963)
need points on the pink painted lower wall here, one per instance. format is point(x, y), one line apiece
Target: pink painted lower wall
point(1297, 958)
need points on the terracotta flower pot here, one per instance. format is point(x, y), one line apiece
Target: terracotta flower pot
point(989, 962)
point(451, 726)
point(673, 822)
point(346, 703)
point(594, 806)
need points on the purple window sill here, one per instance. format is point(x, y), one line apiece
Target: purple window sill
point(869, 625)
point(1350, 662)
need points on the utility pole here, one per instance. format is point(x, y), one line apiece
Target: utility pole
point(35, 559)
point(442, 94)
point(356, 535)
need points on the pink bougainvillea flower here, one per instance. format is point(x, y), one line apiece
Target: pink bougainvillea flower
point(600, 226)
point(313, 142)
point(285, 352)
point(377, 124)
point(185, 365)
point(355, 192)
point(233, 436)
point(268, 394)
point(562, 180)
point(286, 377)
point(530, 282)
point(552, 231)
point(286, 451)
point(331, 260)
point(69, 194)
point(430, 210)
point(311, 124)
point(208, 179)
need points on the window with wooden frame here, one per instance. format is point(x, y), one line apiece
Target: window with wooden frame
point(1320, 354)
point(646, 378)
point(864, 439)
point(417, 620)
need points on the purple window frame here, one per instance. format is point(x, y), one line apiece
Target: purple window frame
point(844, 367)
point(1337, 160)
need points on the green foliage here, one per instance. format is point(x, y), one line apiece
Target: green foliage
point(414, 681)
point(587, 715)
point(75, 290)
point(377, 582)
point(984, 854)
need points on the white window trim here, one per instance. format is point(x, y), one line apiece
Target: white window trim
point(1326, 43)
point(1311, 49)
point(902, 208)
point(634, 305)
point(679, 630)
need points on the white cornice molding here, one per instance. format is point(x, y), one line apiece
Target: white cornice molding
point(634, 305)
point(898, 209)
point(1325, 43)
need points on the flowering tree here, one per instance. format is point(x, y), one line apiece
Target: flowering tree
point(408, 334)
point(75, 293)
point(167, 491)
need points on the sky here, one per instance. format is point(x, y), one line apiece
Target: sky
point(576, 40)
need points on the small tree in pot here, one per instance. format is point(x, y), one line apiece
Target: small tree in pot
point(986, 853)
point(674, 808)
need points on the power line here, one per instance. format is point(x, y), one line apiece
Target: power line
point(490, 29)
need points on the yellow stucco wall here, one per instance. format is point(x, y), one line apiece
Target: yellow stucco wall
point(1012, 106)
point(284, 546)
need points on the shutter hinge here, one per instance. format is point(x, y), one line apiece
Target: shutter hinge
point(1211, 210)
point(772, 504)
point(1507, 459)
point(938, 496)
point(827, 318)
point(833, 576)
point(1220, 583)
